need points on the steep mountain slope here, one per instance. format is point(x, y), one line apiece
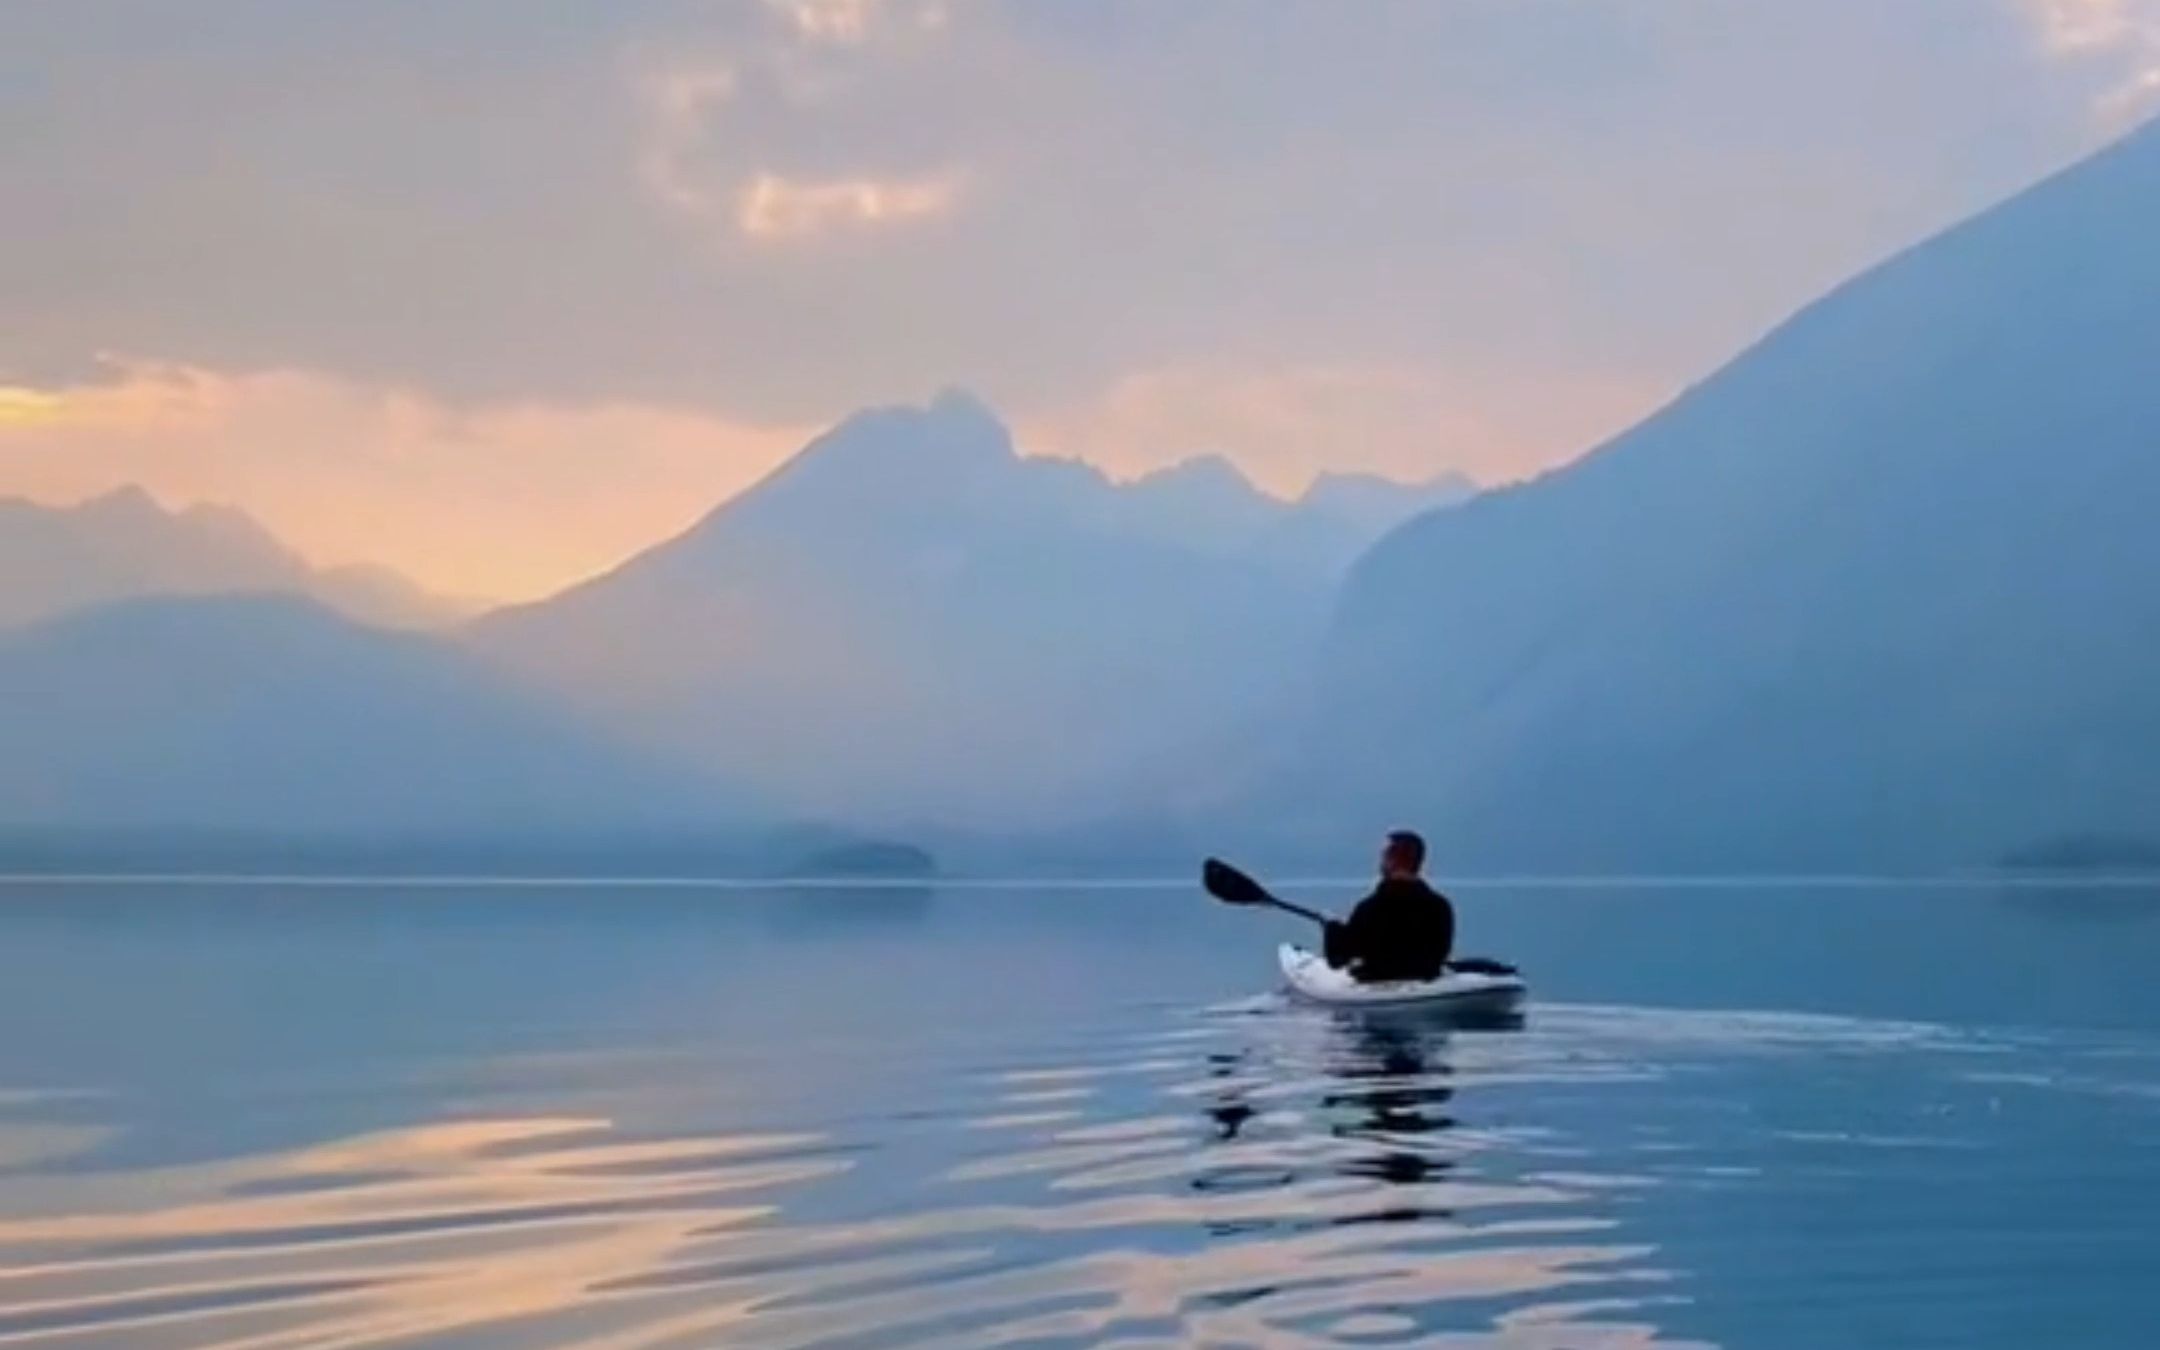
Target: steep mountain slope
point(1884, 591)
point(911, 621)
point(269, 713)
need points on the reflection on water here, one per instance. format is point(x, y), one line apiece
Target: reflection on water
point(1394, 1098)
point(1143, 1171)
point(2073, 901)
point(832, 909)
point(1257, 1174)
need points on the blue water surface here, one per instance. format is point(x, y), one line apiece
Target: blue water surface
point(1777, 1115)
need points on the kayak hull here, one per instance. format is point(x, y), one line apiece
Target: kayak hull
point(1458, 993)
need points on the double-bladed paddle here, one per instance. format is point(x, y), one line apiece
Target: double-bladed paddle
point(1233, 887)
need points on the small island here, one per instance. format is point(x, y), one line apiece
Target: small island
point(2086, 854)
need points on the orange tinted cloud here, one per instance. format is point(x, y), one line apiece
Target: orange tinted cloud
point(704, 118)
point(847, 22)
point(21, 407)
point(774, 207)
point(2125, 31)
point(828, 20)
point(502, 501)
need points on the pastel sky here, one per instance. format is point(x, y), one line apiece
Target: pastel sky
point(496, 291)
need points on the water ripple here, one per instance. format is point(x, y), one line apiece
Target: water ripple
point(1246, 1175)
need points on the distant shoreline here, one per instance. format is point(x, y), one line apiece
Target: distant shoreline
point(2016, 880)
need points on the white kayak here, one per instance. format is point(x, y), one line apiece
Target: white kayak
point(1459, 992)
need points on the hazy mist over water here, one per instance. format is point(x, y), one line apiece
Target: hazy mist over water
point(578, 1116)
point(470, 472)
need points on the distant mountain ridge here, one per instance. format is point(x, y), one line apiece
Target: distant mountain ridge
point(1207, 503)
point(1883, 592)
point(124, 545)
point(271, 713)
point(911, 620)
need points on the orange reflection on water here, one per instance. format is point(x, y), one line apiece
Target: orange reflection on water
point(1309, 1192)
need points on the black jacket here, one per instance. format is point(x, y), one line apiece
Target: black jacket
point(1404, 930)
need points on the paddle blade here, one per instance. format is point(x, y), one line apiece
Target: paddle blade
point(1231, 886)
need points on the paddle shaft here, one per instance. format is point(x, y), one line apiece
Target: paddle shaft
point(1286, 907)
point(1231, 886)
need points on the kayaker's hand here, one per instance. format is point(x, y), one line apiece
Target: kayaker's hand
point(1335, 943)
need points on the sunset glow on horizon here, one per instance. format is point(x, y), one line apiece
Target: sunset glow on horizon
point(558, 290)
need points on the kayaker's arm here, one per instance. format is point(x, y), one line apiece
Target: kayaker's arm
point(1444, 925)
point(1343, 942)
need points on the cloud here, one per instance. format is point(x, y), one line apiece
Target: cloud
point(847, 22)
point(505, 500)
point(2083, 25)
point(1063, 206)
point(777, 208)
point(24, 407)
point(679, 100)
point(701, 154)
point(828, 20)
point(2123, 33)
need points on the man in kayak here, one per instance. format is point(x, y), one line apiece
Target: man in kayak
point(1404, 930)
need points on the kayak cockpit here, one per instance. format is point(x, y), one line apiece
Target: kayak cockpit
point(1459, 992)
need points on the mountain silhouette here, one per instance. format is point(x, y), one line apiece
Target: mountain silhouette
point(912, 621)
point(1884, 591)
point(271, 713)
point(124, 545)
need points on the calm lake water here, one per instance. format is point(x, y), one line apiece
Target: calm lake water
point(284, 1116)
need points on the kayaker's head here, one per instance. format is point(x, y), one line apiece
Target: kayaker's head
point(1403, 856)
